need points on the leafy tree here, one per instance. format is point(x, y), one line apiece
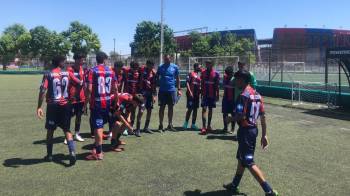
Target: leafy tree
point(147, 39)
point(82, 38)
point(14, 43)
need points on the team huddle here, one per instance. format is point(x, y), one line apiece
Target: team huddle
point(120, 95)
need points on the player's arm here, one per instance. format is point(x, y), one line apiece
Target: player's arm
point(264, 140)
point(88, 91)
point(178, 82)
point(74, 79)
point(154, 89)
point(188, 85)
point(217, 87)
point(124, 121)
point(40, 112)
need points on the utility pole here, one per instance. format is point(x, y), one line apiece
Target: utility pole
point(161, 31)
point(114, 45)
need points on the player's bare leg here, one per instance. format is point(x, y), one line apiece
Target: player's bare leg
point(138, 122)
point(187, 118)
point(161, 117)
point(77, 128)
point(204, 120)
point(233, 186)
point(132, 118)
point(210, 114)
point(49, 144)
point(259, 176)
point(118, 128)
point(194, 119)
point(224, 116)
point(148, 119)
point(170, 118)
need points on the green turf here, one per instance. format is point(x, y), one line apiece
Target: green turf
point(308, 155)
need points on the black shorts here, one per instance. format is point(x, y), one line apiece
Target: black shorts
point(246, 145)
point(58, 116)
point(227, 107)
point(77, 109)
point(167, 98)
point(192, 103)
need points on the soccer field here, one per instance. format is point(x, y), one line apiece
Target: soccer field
point(308, 155)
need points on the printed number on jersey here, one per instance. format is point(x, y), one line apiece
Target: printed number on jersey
point(104, 85)
point(60, 87)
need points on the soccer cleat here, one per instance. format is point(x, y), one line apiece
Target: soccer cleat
point(117, 149)
point(160, 128)
point(78, 138)
point(147, 130)
point(194, 127)
point(48, 158)
point(233, 190)
point(125, 133)
point(138, 133)
point(65, 141)
point(273, 193)
point(209, 129)
point(184, 126)
point(107, 136)
point(171, 128)
point(94, 155)
point(72, 159)
point(203, 131)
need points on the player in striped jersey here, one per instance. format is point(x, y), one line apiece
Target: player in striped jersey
point(228, 98)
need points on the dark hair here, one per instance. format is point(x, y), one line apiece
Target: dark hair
point(209, 62)
point(243, 74)
point(139, 98)
point(101, 57)
point(134, 64)
point(78, 56)
point(118, 64)
point(195, 65)
point(229, 70)
point(149, 62)
point(57, 60)
point(241, 63)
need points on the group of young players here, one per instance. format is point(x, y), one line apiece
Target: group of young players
point(114, 95)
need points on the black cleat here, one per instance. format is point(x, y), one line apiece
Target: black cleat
point(138, 133)
point(229, 187)
point(48, 158)
point(147, 130)
point(160, 128)
point(171, 128)
point(72, 159)
point(273, 193)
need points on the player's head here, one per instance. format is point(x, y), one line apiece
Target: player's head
point(229, 70)
point(241, 65)
point(242, 78)
point(167, 58)
point(196, 67)
point(101, 57)
point(209, 64)
point(118, 65)
point(134, 65)
point(138, 100)
point(58, 61)
point(149, 64)
point(79, 58)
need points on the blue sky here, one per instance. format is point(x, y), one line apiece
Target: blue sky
point(118, 18)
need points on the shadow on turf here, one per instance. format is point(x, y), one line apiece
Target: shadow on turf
point(222, 137)
point(59, 159)
point(211, 193)
point(335, 114)
point(55, 140)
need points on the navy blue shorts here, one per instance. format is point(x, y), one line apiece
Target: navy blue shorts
point(58, 116)
point(77, 109)
point(192, 103)
point(167, 98)
point(208, 102)
point(149, 100)
point(99, 117)
point(246, 145)
point(227, 107)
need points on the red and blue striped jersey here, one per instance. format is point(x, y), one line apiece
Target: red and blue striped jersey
point(210, 83)
point(56, 83)
point(229, 88)
point(124, 103)
point(250, 105)
point(132, 80)
point(194, 81)
point(102, 79)
point(76, 91)
point(148, 80)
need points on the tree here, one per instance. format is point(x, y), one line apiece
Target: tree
point(45, 44)
point(82, 38)
point(14, 43)
point(147, 39)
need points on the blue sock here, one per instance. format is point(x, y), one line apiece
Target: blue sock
point(98, 149)
point(71, 146)
point(267, 188)
point(236, 180)
point(49, 147)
